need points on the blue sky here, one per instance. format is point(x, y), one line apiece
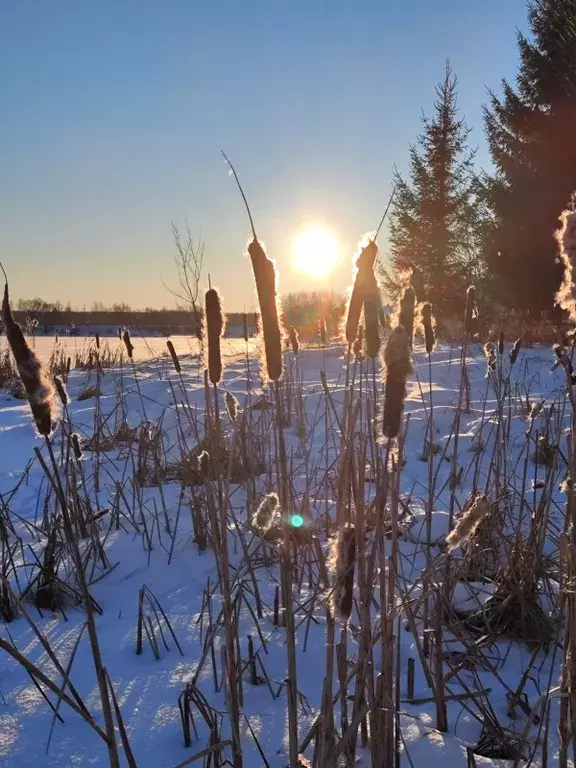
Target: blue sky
point(114, 113)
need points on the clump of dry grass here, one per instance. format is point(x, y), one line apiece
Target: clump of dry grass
point(215, 328)
point(398, 367)
point(341, 564)
point(469, 522)
point(39, 388)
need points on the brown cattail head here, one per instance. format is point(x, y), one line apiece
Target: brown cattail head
point(294, 340)
point(174, 356)
point(515, 350)
point(501, 343)
point(371, 306)
point(406, 312)
point(341, 564)
point(203, 463)
point(245, 334)
point(358, 346)
point(97, 339)
point(566, 237)
point(471, 313)
point(469, 522)
point(61, 390)
point(231, 405)
point(490, 352)
point(267, 514)
point(214, 327)
point(39, 388)
point(323, 333)
point(265, 280)
point(428, 327)
point(128, 343)
point(398, 366)
point(120, 332)
point(363, 268)
point(76, 446)
point(198, 329)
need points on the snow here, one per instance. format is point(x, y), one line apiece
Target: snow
point(148, 689)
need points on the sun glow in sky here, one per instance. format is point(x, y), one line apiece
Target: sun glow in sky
point(315, 252)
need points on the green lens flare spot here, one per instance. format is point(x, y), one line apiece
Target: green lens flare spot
point(296, 521)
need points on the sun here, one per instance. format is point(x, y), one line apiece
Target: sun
point(315, 252)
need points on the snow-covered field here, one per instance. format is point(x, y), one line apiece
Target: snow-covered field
point(146, 531)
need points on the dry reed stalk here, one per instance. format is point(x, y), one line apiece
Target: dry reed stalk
point(174, 356)
point(468, 523)
point(294, 340)
point(398, 367)
point(39, 388)
point(214, 327)
point(428, 327)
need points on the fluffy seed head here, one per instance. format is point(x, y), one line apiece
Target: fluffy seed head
point(469, 522)
point(265, 279)
point(358, 346)
point(61, 390)
point(364, 267)
point(39, 388)
point(490, 353)
point(371, 307)
point(515, 350)
point(566, 237)
point(406, 312)
point(267, 514)
point(341, 564)
point(214, 326)
point(203, 463)
point(120, 332)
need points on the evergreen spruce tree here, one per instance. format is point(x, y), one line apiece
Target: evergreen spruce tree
point(434, 222)
point(532, 138)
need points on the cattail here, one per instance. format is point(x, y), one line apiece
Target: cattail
point(265, 279)
point(371, 305)
point(515, 350)
point(294, 340)
point(383, 318)
point(76, 447)
point(198, 330)
point(39, 388)
point(267, 513)
point(68, 366)
point(490, 353)
point(214, 327)
point(341, 563)
point(471, 313)
point(469, 522)
point(358, 346)
point(174, 356)
point(120, 332)
point(128, 343)
point(364, 268)
point(398, 366)
point(565, 360)
point(501, 343)
point(406, 313)
point(427, 324)
point(566, 237)
point(245, 327)
point(231, 405)
point(61, 390)
point(97, 339)
point(323, 334)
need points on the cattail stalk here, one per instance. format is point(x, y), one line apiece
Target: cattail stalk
point(342, 564)
point(215, 326)
point(398, 367)
point(174, 356)
point(61, 390)
point(265, 280)
point(471, 313)
point(360, 288)
point(294, 339)
point(231, 406)
point(371, 306)
point(406, 313)
point(39, 388)
point(427, 325)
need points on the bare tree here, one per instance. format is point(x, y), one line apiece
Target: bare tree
point(189, 261)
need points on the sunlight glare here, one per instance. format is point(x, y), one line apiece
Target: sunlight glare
point(315, 252)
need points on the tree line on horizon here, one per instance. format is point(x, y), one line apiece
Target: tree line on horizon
point(452, 225)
